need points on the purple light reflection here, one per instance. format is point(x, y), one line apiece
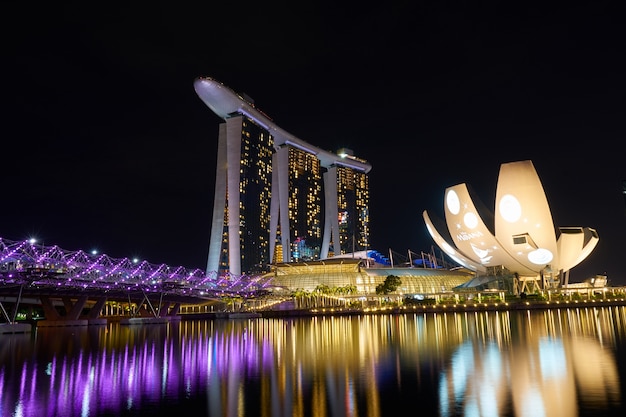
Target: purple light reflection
point(148, 369)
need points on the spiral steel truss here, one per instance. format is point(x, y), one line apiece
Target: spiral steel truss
point(50, 267)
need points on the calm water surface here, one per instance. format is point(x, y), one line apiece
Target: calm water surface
point(567, 362)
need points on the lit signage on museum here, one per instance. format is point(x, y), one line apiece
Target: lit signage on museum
point(523, 237)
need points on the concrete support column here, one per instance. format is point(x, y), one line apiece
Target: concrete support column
point(96, 310)
point(74, 309)
point(175, 310)
point(49, 311)
point(163, 309)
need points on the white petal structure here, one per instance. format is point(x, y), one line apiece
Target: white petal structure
point(453, 253)
point(525, 241)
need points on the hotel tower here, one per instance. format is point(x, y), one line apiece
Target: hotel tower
point(277, 197)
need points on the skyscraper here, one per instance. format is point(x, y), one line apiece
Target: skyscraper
point(277, 197)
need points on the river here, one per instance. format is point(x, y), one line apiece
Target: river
point(558, 362)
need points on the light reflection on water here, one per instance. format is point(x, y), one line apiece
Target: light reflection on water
point(541, 363)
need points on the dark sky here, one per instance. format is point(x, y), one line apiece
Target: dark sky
point(106, 144)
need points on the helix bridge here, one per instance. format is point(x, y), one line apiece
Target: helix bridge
point(30, 266)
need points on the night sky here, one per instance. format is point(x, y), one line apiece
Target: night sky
point(107, 146)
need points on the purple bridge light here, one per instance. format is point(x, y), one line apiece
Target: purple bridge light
point(35, 265)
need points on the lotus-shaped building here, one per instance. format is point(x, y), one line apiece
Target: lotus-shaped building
point(518, 237)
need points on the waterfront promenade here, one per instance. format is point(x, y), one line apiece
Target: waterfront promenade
point(424, 308)
point(612, 297)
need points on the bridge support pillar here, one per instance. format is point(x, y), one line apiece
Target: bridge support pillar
point(49, 312)
point(74, 310)
point(175, 310)
point(163, 309)
point(29, 312)
point(96, 310)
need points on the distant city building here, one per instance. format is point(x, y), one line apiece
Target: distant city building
point(277, 197)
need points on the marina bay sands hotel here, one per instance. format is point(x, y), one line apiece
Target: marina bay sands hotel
point(277, 197)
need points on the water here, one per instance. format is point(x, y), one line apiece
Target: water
point(566, 362)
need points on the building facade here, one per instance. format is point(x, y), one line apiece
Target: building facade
point(522, 238)
point(277, 197)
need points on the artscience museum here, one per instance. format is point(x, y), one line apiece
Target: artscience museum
point(517, 239)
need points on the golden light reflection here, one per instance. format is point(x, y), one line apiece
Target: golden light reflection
point(555, 362)
point(548, 362)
